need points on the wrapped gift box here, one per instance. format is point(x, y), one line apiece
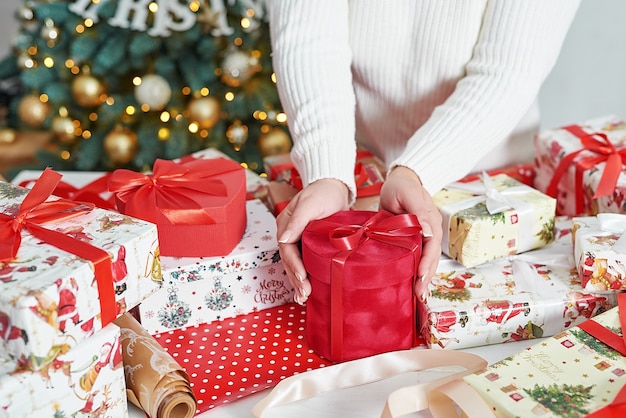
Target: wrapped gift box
point(533, 295)
point(50, 297)
point(474, 233)
point(569, 375)
point(600, 251)
point(362, 266)
point(571, 163)
point(369, 175)
point(201, 290)
point(523, 172)
point(86, 380)
point(230, 359)
point(197, 204)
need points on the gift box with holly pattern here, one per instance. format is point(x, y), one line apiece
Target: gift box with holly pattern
point(67, 269)
point(575, 373)
point(581, 166)
point(202, 290)
point(532, 295)
point(600, 251)
point(84, 381)
point(493, 217)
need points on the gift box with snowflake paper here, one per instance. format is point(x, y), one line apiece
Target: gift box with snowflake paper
point(67, 269)
point(600, 251)
point(202, 290)
point(581, 166)
point(572, 374)
point(532, 295)
point(493, 217)
point(84, 381)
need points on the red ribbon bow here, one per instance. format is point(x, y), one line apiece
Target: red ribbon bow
point(35, 211)
point(617, 408)
point(172, 192)
point(88, 193)
point(399, 230)
point(599, 144)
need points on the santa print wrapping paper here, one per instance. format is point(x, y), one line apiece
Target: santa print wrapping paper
point(85, 381)
point(581, 165)
point(201, 290)
point(533, 295)
point(600, 251)
point(569, 375)
point(230, 359)
point(50, 298)
point(474, 233)
point(198, 205)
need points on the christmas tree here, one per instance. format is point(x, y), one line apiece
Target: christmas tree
point(120, 83)
point(564, 400)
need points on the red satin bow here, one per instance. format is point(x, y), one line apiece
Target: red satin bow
point(400, 230)
point(35, 211)
point(599, 144)
point(88, 193)
point(617, 408)
point(172, 191)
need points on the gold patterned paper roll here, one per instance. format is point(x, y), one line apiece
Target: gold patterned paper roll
point(155, 382)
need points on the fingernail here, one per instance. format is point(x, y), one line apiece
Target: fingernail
point(302, 292)
point(297, 299)
point(426, 234)
point(284, 237)
point(299, 277)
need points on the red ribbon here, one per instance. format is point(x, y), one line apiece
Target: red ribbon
point(617, 408)
point(173, 192)
point(599, 144)
point(399, 230)
point(91, 192)
point(35, 211)
point(365, 184)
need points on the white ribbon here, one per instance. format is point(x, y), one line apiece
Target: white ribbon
point(616, 223)
point(496, 201)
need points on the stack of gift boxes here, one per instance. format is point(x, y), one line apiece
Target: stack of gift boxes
point(68, 270)
point(530, 260)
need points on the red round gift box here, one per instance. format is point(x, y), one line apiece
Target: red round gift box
point(374, 308)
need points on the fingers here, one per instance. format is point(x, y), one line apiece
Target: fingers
point(317, 200)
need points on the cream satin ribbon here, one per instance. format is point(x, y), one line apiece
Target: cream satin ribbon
point(614, 222)
point(496, 201)
point(382, 366)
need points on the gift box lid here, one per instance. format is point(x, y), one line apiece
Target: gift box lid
point(50, 297)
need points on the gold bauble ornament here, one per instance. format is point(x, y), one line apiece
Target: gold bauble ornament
point(274, 142)
point(205, 111)
point(7, 136)
point(88, 91)
point(238, 67)
point(237, 134)
point(33, 111)
point(120, 145)
point(63, 129)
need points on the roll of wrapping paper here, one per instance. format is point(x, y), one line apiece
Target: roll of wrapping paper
point(155, 382)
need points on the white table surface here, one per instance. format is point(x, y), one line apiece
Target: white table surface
point(364, 401)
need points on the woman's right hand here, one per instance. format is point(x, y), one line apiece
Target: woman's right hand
point(318, 200)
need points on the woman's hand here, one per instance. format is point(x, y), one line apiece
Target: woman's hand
point(402, 192)
point(318, 200)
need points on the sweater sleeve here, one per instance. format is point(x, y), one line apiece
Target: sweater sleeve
point(312, 59)
point(517, 47)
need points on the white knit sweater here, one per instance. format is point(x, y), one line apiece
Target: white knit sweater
point(434, 85)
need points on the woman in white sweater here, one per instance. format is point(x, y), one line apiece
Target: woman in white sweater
point(435, 88)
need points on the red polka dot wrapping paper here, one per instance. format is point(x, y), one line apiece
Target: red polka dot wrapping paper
point(229, 359)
